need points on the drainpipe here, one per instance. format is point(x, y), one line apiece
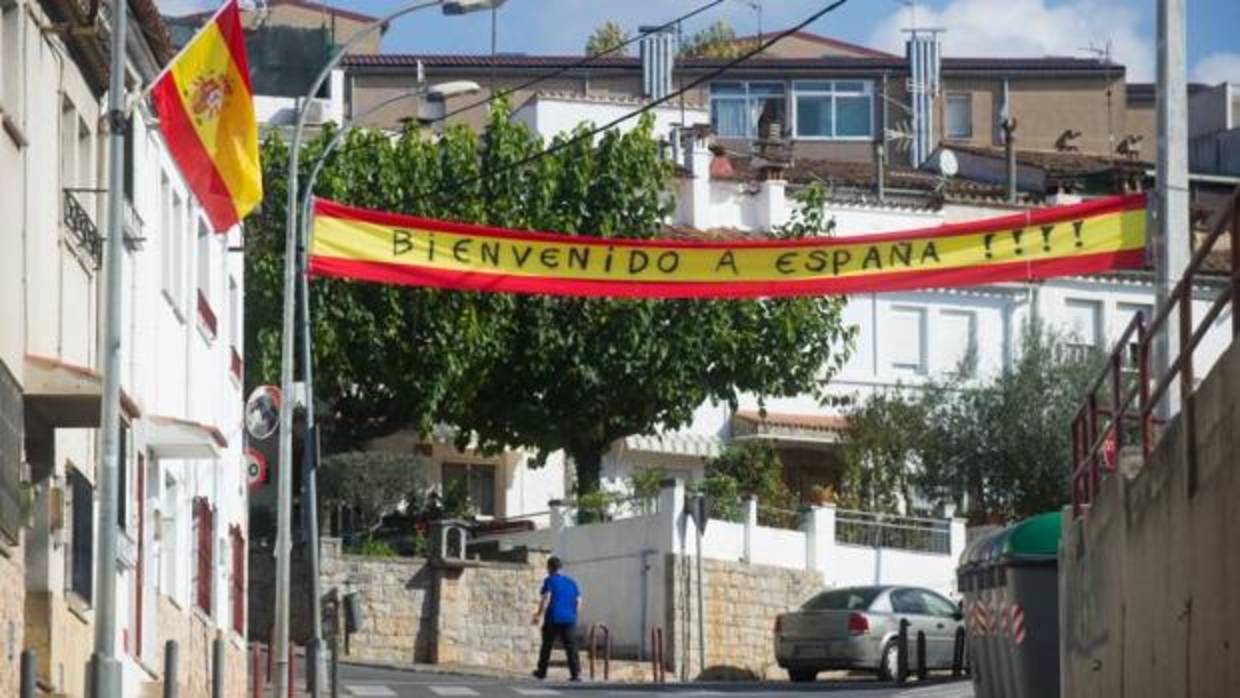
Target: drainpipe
point(1009, 146)
point(880, 144)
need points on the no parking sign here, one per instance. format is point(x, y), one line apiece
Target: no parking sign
point(255, 468)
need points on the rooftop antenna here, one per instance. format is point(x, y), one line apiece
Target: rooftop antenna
point(1103, 54)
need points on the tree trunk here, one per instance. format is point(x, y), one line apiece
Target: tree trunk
point(589, 465)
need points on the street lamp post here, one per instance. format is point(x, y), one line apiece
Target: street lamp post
point(310, 450)
point(285, 479)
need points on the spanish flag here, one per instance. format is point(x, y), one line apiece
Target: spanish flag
point(206, 113)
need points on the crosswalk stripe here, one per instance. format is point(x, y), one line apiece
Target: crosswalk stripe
point(536, 692)
point(453, 691)
point(369, 691)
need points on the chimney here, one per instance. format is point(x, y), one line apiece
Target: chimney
point(699, 160)
point(924, 53)
point(658, 54)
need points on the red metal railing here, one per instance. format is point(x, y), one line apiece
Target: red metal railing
point(1101, 427)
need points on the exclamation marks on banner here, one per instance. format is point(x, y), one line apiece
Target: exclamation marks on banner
point(1076, 231)
point(989, 240)
point(1016, 236)
point(1046, 237)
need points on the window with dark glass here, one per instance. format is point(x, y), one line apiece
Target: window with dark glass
point(739, 109)
point(82, 535)
point(473, 480)
point(834, 109)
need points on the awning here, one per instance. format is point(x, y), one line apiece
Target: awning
point(65, 395)
point(788, 427)
point(676, 444)
point(170, 437)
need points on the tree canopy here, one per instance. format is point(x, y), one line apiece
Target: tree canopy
point(534, 372)
point(999, 447)
point(715, 41)
point(606, 37)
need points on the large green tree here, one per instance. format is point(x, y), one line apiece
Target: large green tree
point(606, 37)
point(536, 372)
point(999, 446)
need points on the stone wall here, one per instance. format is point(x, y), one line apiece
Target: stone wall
point(1148, 575)
point(484, 614)
point(741, 603)
point(12, 614)
point(195, 637)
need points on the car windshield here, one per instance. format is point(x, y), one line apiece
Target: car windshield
point(856, 599)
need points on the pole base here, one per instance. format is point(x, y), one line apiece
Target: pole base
point(105, 677)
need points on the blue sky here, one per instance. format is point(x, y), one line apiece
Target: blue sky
point(975, 27)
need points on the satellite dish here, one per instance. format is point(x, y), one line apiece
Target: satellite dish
point(948, 165)
point(262, 412)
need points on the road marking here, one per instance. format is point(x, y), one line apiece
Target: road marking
point(369, 691)
point(953, 690)
point(536, 691)
point(448, 691)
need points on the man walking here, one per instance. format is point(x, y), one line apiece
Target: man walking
point(557, 611)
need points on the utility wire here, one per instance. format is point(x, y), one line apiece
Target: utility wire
point(455, 185)
point(583, 62)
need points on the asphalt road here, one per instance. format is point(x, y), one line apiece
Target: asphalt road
point(366, 682)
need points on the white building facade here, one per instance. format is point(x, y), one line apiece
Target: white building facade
point(182, 520)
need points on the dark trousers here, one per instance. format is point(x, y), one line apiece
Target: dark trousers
point(567, 634)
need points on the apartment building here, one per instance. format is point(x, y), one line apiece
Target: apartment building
point(182, 519)
point(829, 99)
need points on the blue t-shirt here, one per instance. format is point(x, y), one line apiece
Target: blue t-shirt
point(562, 610)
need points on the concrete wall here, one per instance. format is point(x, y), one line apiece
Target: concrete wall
point(1148, 575)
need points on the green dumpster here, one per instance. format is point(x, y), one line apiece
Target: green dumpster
point(1009, 581)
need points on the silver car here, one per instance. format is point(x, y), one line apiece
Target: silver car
point(857, 627)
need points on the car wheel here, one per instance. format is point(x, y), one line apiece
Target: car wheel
point(889, 662)
point(802, 675)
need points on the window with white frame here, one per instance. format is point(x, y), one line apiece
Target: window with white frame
point(173, 244)
point(959, 116)
point(834, 109)
point(170, 541)
point(957, 341)
point(1084, 320)
point(10, 54)
point(738, 109)
point(206, 309)
point(1127, 312)
point(906, 339)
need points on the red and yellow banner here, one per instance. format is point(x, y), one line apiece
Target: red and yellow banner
point(206, 113)
point(1086, 238)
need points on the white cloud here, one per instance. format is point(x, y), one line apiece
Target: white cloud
point(1218, 67)
point(1030, 28)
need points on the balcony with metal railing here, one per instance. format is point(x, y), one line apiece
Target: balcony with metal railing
point(83, 232)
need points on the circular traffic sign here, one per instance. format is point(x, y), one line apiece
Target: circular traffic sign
point(255, 467)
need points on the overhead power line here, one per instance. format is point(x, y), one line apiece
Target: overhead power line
point(455, 185)
point(581, 63)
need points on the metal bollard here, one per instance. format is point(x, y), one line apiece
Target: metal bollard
point(594, 641)
point(658, 668)
point(27, 674)
point(921, 656)
point(170, 669)
point(292, 669)
point(335, 668)
point(217, 668)
point(256, 660)
point(902, 652)
point(958, 654)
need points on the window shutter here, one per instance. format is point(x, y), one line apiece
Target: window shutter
point(238, 580)
point(204, 514)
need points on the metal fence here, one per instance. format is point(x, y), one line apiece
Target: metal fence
point(890, 531)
